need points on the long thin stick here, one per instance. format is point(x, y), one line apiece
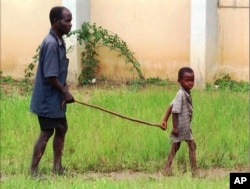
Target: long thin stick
point(119, 115)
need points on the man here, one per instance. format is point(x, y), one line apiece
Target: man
point(51, 92)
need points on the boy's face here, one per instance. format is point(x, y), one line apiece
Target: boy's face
point(187, 81)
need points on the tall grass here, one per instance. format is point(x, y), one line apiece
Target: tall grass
point(97, 141)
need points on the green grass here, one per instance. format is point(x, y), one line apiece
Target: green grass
point(63, 182)
point(99, 142)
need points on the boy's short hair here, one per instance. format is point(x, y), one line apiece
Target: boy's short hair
point(183, 70)
point(56, 13)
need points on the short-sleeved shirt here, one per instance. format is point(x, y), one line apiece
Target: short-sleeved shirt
point(182, 105)
point(46, 100)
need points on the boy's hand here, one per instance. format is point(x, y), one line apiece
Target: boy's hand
point(175, 132)
point(164, 125)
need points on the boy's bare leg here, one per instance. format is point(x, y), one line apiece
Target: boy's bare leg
point(58, 145)
point(175, 147)
point(39, 149)
point(192, 156)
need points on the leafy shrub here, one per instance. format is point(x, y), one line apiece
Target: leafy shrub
point(95, 37)
point(226, 83)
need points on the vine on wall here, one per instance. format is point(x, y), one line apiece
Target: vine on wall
point(29, 71)
point(95, 37)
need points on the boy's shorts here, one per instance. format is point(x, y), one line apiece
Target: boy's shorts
point(51, 123)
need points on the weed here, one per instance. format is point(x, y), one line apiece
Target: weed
point(28, 72)
point(226, 83)
point(7, 79)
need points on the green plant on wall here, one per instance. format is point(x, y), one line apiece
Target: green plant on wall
point(95, 37)
point(28, 72)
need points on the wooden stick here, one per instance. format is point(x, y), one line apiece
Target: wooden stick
point(119, 115)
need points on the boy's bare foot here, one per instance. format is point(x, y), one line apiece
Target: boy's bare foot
point(167, 172)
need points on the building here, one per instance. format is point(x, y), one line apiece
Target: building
point(211, 36)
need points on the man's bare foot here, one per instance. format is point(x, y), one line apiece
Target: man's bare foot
point(59, 170)
point(33, 172)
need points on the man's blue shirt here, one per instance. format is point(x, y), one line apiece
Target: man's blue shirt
point(46, 100)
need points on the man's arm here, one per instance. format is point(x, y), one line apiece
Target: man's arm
point(67, 96)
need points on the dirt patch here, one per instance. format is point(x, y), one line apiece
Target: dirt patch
point(8, 87)
point(213, 173)
point(218, 173)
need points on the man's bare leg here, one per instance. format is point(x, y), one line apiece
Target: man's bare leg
point(58, 145)
point(39, 149)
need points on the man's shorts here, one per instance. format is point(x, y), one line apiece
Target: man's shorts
point(51, 123)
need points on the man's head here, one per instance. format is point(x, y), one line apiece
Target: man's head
point(60, 19)
point(186, 78)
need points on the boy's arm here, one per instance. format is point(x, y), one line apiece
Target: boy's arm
point(175, 130)
point(165, 118)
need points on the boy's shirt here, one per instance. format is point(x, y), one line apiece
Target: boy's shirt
point(182, 105)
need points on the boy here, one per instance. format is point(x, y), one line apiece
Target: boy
point(181, 110)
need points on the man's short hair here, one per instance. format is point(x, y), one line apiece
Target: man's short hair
point(56, 14)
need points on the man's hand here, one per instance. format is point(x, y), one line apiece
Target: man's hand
point(67, 98)
point(64, 89)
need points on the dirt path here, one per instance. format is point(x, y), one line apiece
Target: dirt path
point(130, 175)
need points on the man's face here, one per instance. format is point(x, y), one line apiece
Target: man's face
point(64, 25)
point(187, 81)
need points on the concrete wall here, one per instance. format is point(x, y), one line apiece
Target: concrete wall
point(80, 13)
point(24, 24)
point(159, 32)
point(203, 40)
point(169, 34)
point(233, 41)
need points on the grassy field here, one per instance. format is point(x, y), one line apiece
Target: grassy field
point(104, 151)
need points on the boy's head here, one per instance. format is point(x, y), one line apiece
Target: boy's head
point(186, 78)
